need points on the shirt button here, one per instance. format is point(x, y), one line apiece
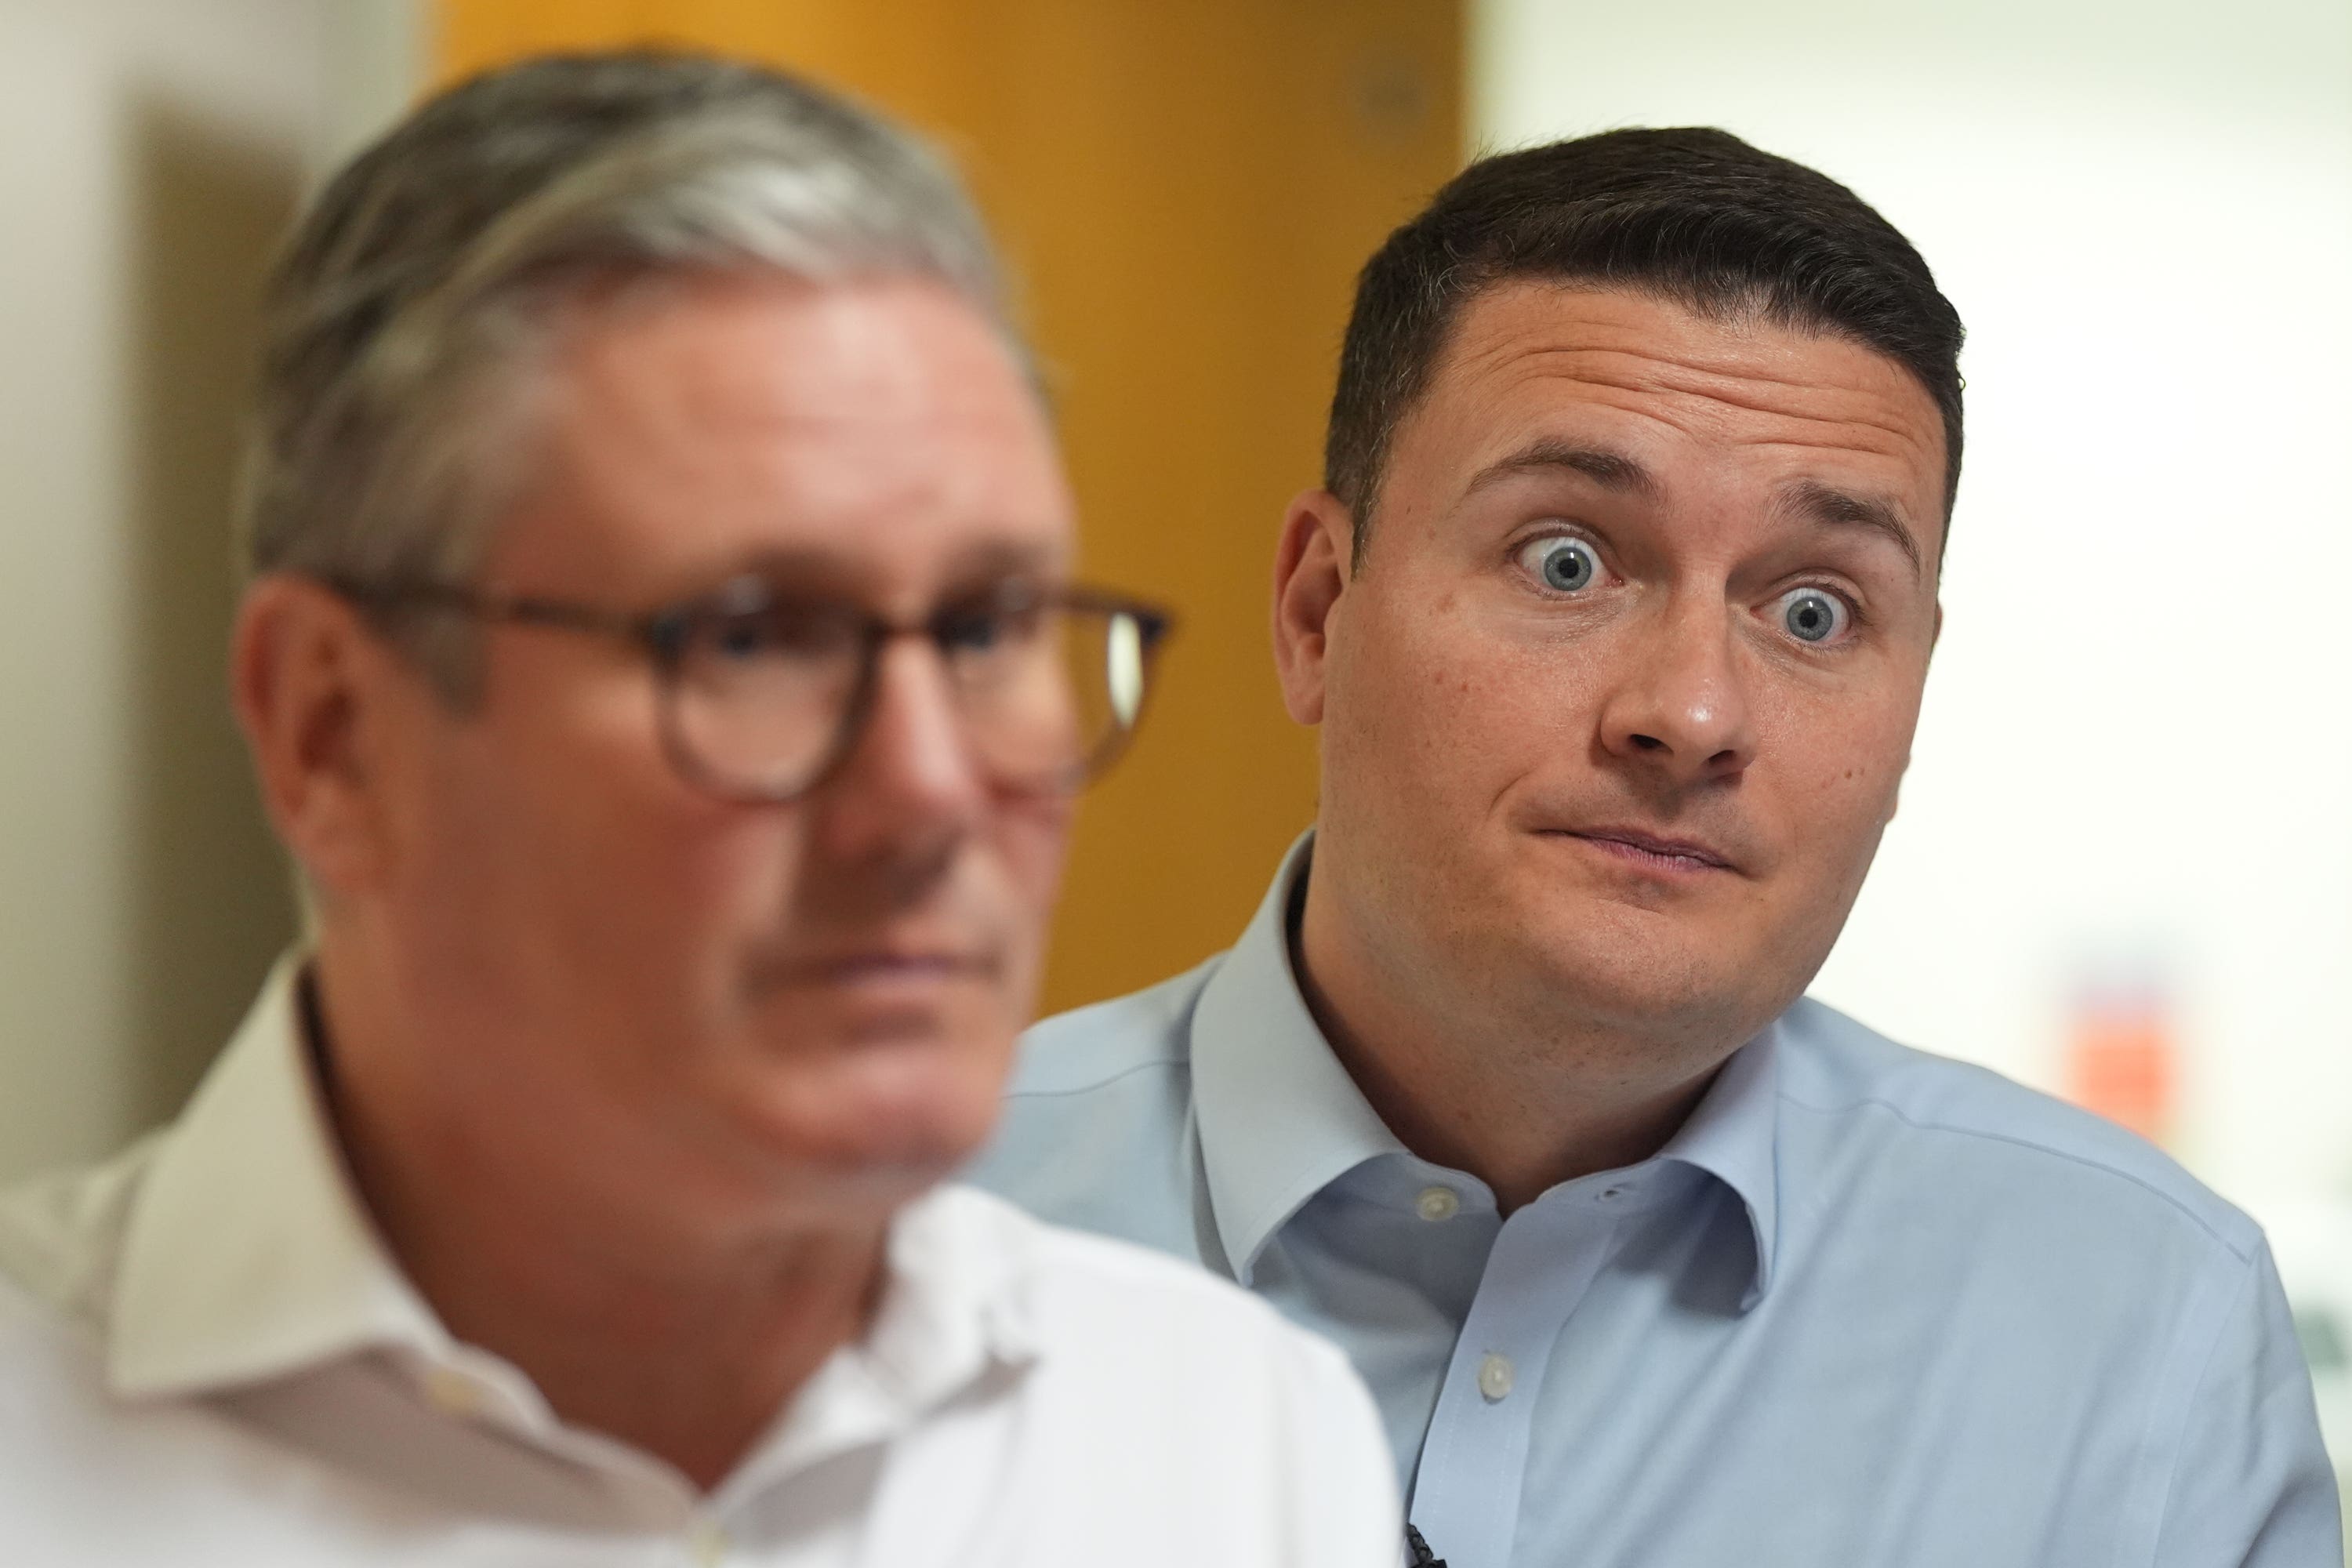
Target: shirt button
point(1494, 1376)
point(708, 1542)
point(1437, 1203)
point(453, 1393)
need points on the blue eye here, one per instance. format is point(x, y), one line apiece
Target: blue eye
point(1811, 616)
point(1563, 562)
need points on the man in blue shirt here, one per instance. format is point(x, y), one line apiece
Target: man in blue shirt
point(1614, 611)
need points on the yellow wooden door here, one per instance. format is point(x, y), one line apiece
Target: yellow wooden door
point(1185, 189)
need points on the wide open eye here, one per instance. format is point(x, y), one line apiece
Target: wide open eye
point(1561, 561)
point(1813, 615)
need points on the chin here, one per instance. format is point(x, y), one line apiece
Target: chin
point(928, 1136)
point(878, 1119)
point(1646, 972)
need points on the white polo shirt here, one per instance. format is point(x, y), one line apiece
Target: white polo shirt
point(208, 1356)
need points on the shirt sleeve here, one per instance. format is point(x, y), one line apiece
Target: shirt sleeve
point(2251, 1487)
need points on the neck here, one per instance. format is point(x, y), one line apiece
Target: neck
point(686, 1349)
point(1523, 1105)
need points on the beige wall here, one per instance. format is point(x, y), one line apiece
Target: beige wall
point(149, 151)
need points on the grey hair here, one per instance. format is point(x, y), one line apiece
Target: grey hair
point(437, 269)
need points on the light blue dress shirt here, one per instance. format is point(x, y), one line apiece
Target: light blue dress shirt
point(1868, 1307)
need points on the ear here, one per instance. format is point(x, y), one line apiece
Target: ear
point(310, 684)
point(1311, 569)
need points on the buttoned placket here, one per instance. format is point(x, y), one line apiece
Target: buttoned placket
point(1465, 1492)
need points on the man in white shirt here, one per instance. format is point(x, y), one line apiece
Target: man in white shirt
point(659, 657)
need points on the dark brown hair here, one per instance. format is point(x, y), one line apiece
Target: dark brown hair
point(1695, 216)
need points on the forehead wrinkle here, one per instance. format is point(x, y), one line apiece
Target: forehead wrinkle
point(1647, 343)
point(1818, 398)
point(1799, 431)
point(1879, 414)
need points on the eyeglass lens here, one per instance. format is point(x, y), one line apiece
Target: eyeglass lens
point(761, 696)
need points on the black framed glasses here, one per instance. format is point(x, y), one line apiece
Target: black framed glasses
point(763, 692)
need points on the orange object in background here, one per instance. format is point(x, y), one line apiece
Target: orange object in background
point(2122, 1058)
point(1186, 188)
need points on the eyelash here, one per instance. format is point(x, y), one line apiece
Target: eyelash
point(1515, 547)
point(1859, 619)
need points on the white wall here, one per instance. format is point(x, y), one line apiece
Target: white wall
point(2138, 746)
point(149, 151)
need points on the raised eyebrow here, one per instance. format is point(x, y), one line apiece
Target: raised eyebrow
point(1827, 504)
point(1604, 465)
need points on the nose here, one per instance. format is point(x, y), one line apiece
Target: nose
point(1680, 711)
point(909, 790)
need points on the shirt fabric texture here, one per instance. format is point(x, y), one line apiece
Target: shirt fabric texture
point(207, 1357)
point(1868, 1306)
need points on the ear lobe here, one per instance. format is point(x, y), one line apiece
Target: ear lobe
point(1311, 565)
point(306, 681)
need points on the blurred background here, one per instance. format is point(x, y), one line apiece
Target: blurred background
point(2123, 869)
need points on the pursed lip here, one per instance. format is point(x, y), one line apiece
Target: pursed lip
point(1656, 850)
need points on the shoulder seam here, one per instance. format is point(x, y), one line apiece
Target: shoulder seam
point(1873, 1103)
point(1089, 1087)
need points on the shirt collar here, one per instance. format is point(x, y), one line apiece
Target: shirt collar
point(958, 1300)
point(1280, 1120)
point(250, 1254)
point(957, 1307)
point(1733, 1136)
point(247, 1252)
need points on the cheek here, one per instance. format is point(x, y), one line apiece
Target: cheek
point(1843, 771)
point(1028, 839)
point(1032, 836)
point(1423, 706)
point(603, 868)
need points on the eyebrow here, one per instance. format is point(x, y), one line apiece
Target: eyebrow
point(966, 570)
point(1618, 472)
point(981, 560)
point(1612, 470)
point(1827, 504)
